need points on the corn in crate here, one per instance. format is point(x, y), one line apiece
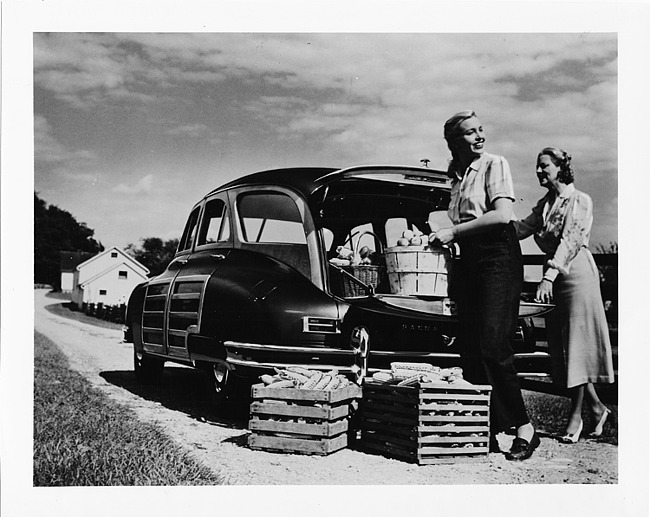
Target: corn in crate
point(302, 416)
point(426, 423)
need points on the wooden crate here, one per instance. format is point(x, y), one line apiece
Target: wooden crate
point(426, 423)
point(301, 421)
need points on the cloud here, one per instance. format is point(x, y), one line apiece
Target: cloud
point(144, 186)
point(51, 154)
point(189, 130)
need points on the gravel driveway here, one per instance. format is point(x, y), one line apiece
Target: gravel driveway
point(217, 436)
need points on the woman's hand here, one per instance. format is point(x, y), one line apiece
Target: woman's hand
point(445, 235)
point(544, 292)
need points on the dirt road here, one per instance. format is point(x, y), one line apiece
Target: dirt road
point(217, 436)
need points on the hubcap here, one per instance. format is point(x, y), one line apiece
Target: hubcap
point(220, 372)
point(359, 342)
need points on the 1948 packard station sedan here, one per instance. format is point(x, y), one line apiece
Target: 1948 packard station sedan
point(260, 280)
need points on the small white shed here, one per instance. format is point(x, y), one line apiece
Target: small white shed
point(69, 262)
point(108, 278)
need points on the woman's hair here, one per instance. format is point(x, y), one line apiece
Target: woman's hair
point(561, 159)
point(451, 133)
point(451, 126)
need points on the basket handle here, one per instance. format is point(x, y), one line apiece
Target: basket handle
point(368, 232)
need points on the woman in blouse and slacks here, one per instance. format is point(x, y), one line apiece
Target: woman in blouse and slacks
point(576, 329)
point(487, 282)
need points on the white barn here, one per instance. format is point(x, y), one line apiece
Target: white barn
point(107, 278)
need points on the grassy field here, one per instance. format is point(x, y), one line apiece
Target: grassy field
point(81, 438)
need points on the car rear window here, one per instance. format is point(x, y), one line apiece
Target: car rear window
point(270, 217)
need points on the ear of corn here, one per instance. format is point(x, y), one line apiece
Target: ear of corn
point(454, 370)
point(403, 374)
point(410, 381)
point(282, 384)
point(333, 383)
point(420, 367)
point(311, 383)
point(298, 377)
point(382, 376)
point(268, 379)
point(295, 376)
point(323, 381)
point(300, 370)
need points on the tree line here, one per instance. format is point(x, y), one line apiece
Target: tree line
point(57, 230)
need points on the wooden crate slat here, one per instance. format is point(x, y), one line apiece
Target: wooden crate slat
point(451, 419)
point(297, 445)
point(326, 429)
point(367, 425)
point(431, 388)
point(370, 414)
point(412, 417)
point(456, 396)
point(423, 431)
point(391, 451)
point(325, 413)
point(390, 409)
point(426, 448)
point(455, 407)
point(441, 460)
point(436, 438)
point(455, 429)
point(408, 398)
point(260, 391)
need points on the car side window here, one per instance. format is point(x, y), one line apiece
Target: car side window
point(270, 217)
point(189, 233)
point(215, 226)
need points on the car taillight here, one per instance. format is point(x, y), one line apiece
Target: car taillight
point(321, 325)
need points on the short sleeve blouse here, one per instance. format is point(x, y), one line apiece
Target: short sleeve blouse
point(473, 194)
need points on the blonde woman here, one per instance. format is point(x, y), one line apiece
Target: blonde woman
point(487, 283)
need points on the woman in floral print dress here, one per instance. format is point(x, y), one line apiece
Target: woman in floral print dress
point(576, 329)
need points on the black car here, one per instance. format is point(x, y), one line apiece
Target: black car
point(263, 279)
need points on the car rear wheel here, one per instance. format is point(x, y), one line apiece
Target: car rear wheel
point(217, 381)
point(223, 385)
point(147, 369)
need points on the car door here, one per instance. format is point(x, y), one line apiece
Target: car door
point(157, 296)
point(173, 299)
point(210, 243)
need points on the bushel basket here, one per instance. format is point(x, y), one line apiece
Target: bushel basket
point(418, 270)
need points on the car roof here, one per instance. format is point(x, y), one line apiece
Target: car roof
point(306, 180)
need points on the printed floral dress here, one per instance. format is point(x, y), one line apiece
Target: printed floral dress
point(576, 329)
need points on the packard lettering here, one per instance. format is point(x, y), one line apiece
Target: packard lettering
point(419, 327)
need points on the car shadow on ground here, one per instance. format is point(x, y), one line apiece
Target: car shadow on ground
point(186, 390)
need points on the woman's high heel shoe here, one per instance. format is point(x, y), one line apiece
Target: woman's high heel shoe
point(598, 430)
point(572, 438)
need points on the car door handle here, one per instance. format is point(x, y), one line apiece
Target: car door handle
point(218, 256)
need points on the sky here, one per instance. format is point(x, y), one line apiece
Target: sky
point(131, 129)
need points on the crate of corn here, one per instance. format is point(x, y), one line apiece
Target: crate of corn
point(302, 411)
point(425, 416)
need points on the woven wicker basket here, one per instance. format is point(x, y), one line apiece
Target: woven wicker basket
point(362, 275)
point(368, 274)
